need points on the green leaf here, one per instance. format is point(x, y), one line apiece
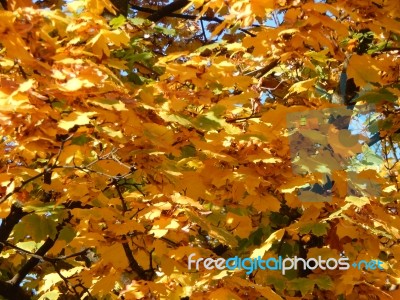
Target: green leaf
point(370, 158)
point(305, 228)
point(256, 237)
point(41, 208)
point(219, 233)
point(67, 234)
point(60, 105)
point(118, 21)
point(378, 96)
point(303, 285)
point(324, 282)
point(136, 79)
point(138, 21)
point(279, 220)
point(318, 56)
point(35, 226)
point(213, 120)
point(286, 250)
point(30, 246)
point(188, 151)
point(208, 47)
point(182, 120)
point(278, 282)
point(139, 57)
point(208, 122)
point(166, 31)
point(80, 140)
point(318, 229)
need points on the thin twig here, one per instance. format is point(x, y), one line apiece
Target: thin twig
point(61, 149)
point(44, 257)
point(121, 197)
point(187, 17)
point(241, 119)
point(204, 31)
point(23, 183)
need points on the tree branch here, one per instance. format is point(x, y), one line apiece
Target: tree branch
point(121, 197)
point(374, 139)
point(32, 262)
point(8, 223)
point(168, 9)
point(12, 292)
point(23, 183)
point(377, 137)
point(262, 71)
point(4, 4)
point(132, 261)
point(43, 257)
point(242, 119)
point(121, 6)
point(176, 15)
point(154, 13)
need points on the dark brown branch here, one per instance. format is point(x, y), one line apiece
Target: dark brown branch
point(12, 292)
point(121, 197)
point(68, 285)
point(17, 189)
point(32, 262)
point(8, 223)
point(377, 137)
point(185, 17)
point(168, 9)
point(262, 71)
point(132, 261)
point(22, 71)
point(177, 15)
point(46, 175)
point(84, 169)
point(242, 119)
point(203, 31)
point(374, 139)
point(121, 6)
point(43, 257)
point(61, 150)
point(4, 4)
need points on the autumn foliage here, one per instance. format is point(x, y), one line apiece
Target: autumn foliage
point(210, 128)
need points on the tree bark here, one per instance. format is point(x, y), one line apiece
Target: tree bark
point(168, 9)
point(121, 6)
point(12, 292)
point(9, 222)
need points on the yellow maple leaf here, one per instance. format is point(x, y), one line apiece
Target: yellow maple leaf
point(97, 6)
point(76, 118)
point(102, 42)
point(262, 7)
point(274, 237)
point(75, 84)
point(364, 69)
point(301, 86)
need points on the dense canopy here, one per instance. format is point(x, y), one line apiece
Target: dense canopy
point(134, 134)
